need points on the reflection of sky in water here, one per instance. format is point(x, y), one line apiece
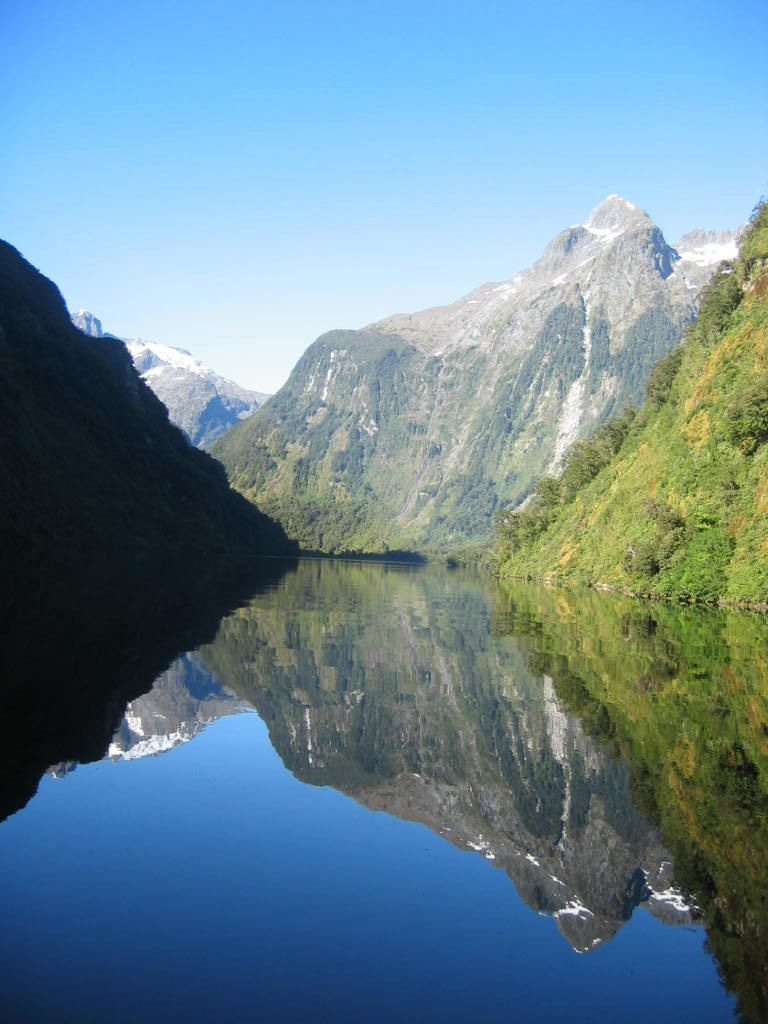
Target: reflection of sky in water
point(209, 884)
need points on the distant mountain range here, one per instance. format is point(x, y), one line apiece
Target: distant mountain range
point(199, 401)
point(412, 432)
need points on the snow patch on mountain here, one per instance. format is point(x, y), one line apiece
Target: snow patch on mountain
point(199, 401)
point(605, 235)
point(711, 253)
point(673, 898)
point(149, 747)
point(153, 357)
point(574, 908)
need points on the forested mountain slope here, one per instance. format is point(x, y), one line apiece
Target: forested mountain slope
point(672, 501)
point(410, 432)
point(90, 467)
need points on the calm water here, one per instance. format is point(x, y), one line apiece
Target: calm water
point(400, 794)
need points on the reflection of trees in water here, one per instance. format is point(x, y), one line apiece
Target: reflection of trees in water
point(389, 685)
point(681, 693)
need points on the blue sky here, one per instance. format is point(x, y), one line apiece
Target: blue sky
point(236, 178)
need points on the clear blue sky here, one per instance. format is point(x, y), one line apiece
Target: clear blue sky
point(236, 178)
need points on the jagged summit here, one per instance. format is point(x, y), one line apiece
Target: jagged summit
point(88, 323)
point(615, 230)
point(616, 259)
point(614, 215)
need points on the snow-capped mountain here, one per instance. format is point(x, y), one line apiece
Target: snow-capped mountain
point(704, 250)
point(204, 404)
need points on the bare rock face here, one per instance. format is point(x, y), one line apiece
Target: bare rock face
point(198, 400)
point(426, 422)
point(88, 324)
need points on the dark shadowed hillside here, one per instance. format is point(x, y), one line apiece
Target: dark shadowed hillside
point(90, 467)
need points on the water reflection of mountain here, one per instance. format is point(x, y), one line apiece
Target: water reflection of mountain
point(389, 685)
point(182, 701)
point(80, 647)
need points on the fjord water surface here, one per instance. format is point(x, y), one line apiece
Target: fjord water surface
point(400, 793)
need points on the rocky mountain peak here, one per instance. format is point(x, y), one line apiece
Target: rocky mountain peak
point(616, 215)
point(617, 232)
point(88, 323)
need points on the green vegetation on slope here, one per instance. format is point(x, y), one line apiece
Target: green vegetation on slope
point(410, 433)
point(671, 501)
point(374, 465)
point(307, 466)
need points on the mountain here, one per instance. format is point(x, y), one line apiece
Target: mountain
point(182, 701)
point(389, 687)
point(672, 501)
point(90, 467)
point(410, 432)
point(88, 324)
point(199, 401)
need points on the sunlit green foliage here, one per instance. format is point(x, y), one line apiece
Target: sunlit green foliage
point(748, 417)
point(660, 379)
point(675, 502)
point(516, 529)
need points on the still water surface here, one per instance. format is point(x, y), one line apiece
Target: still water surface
point(400, 794)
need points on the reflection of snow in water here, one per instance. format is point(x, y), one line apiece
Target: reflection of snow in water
point(573, 908)
point(482, 846)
